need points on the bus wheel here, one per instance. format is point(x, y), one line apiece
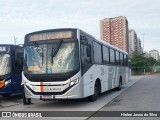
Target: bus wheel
point(29, 101)
point(96, 92)
point(119, 85)
point(26, 101)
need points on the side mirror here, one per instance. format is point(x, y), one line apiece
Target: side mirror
point(84, 39)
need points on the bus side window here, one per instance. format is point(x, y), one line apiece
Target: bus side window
point(18, 62)
point(125, 60)
point(105, 55)
point(117, 58)
point(121, 59)
point(112, 57)
point(97, 53)
point(84, 57)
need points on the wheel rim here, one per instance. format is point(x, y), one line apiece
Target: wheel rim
point(120, 84)
point(96, 90)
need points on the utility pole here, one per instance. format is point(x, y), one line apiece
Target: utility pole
point(15, 40)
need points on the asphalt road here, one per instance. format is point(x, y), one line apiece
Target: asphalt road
point(144, 95)
point(14, 103)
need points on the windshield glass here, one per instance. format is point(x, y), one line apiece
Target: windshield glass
point(55, 58)
point(5, 64)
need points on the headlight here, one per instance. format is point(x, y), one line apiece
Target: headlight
point(26, 83)
point(7, 82)
point(73, 82)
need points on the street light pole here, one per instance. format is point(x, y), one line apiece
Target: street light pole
point(15, 40)
point(143, 52)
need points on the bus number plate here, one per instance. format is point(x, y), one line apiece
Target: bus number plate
point(47, 97)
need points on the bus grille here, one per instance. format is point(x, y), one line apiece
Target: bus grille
point(47, 80)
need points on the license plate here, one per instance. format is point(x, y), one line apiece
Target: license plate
point(47, 97)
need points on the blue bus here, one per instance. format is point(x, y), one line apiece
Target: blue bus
point(11, 65)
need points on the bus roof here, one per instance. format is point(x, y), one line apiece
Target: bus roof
point(105, 43)
point(98, 40)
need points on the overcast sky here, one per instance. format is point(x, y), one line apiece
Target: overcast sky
point(19, 17)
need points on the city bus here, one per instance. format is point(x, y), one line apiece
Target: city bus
point(11, 66)
point(70, 64)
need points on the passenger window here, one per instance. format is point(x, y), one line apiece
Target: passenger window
point(112, 56)
point(97, 53)
point(125, 60)
point(121, 59)
point(105, 55)
point(84, 58)
point(117, 58)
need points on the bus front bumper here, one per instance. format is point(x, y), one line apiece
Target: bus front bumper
point(74, 92)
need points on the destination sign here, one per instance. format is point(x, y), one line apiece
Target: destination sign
point(51, 36)
point(3, 48)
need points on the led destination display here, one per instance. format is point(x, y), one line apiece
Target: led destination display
point(51, 36)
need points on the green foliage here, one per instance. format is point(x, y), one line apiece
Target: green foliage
point(158, 63)
point(139, 63)
point(139, 60)
point(152, 61)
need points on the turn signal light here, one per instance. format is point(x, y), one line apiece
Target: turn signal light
point(2, 83)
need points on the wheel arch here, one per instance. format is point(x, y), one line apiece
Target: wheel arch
point(98, 81)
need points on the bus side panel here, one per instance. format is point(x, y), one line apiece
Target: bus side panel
point(112, 77)
point(90, 77)
point(108, 75)
point(104, 74)
point(124, 74)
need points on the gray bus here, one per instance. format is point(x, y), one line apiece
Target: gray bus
point(70, 64)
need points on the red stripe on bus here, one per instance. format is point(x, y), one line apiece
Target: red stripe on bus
point(41, 87)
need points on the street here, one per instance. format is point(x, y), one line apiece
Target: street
point(141, 93)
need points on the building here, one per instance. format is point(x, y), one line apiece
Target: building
point(115, 31)
point(154, 54)
point(139, 48)
point(132, 41)
point(146, 54)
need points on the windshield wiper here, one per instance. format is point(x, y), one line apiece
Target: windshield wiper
point(55, 51)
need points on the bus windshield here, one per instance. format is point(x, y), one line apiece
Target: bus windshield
point(60, 57)
point(5, 64)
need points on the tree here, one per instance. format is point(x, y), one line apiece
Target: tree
point(139, 62)
point(152, 61)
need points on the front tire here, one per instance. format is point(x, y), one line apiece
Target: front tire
point(94, 97)
point(26, 101)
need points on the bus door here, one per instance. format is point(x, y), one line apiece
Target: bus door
point(17, 69)
point(86, 64)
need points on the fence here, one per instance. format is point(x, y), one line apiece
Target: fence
point(144, 70)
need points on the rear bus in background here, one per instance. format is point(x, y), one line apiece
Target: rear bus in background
point(70, 64)
point(11, 65)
